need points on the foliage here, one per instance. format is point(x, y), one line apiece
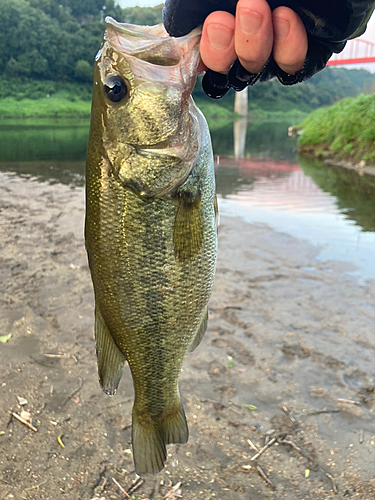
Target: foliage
point(37, 89)
point(83, 71)
point(346, 129)
point(45, 39)
point(142, 15)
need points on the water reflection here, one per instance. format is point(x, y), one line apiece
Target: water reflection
point(355, 194)
point(65, 172)
point(234, 176)
point(239, 137)
point(264, 139)
point(36, 140)
point(288, 199)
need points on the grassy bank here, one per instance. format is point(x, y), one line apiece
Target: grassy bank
point(47, 107)
point(342, 132)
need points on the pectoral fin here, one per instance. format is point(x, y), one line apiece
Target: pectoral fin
point(200, 333)
point(188, 230)
point(110, 359)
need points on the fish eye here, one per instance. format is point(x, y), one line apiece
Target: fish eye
point(115, 88)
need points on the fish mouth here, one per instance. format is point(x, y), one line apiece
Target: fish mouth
point(150, 43)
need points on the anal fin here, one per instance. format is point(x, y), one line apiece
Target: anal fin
point(110, 359)
point(200, 332)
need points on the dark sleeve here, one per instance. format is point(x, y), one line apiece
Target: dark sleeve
point(329, 24)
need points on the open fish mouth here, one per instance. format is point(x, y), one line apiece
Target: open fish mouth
point(150, 43)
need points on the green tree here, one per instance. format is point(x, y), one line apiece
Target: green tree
point(83, 71)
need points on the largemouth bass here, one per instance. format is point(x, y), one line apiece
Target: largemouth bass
point(150, 230)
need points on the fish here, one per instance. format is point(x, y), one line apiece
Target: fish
point(150, 225)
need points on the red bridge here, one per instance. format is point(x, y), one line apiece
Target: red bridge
point(355, 52)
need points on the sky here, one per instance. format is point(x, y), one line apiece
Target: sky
point(369, 34)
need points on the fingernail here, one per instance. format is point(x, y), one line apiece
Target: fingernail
point(219, 36)
point(281, 27)
point(250, 21)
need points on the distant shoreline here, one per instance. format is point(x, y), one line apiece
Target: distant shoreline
point(46, 107)
point(59, 107)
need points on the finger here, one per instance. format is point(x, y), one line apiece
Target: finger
point(217, 42)
point(290, 40)
point(254, 34)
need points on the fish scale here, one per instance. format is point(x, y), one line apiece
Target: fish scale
point(151, 233)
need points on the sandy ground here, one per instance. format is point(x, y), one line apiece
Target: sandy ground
point(285, 330)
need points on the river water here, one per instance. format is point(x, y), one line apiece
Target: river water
point(332, 208)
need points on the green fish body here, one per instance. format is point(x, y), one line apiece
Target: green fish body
point(151, 232)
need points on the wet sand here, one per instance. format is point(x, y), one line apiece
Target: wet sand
point(285, 331)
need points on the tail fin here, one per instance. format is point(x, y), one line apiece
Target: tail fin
point(150, 439)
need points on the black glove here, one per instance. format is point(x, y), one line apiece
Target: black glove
point(329, 24)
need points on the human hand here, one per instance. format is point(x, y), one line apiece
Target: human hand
point(251, 36)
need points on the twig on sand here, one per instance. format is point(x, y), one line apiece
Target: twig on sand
point(218, 403)
point(293, 445)
point(287, 411)
point(121, 488)
point(174, 492)
point(264, 476)
point(73, 393)
point(136, 485)
point(23, 421)
point(252, 445)
point(334, 486)
point(36, 487)
point(348, 401)
point(361, 436)
point(260, 452)
point(317, 412)
point(61, 356)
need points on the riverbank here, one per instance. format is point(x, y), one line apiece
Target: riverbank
point(342, 134)
point(360, 167)
point(285, 331)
